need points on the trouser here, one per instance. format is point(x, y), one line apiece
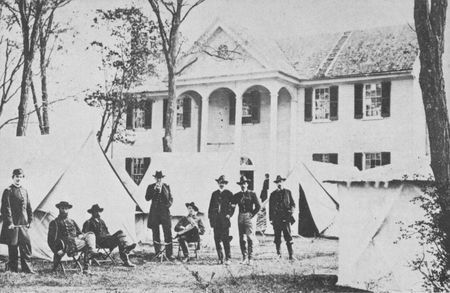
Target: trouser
point(25, 257)
point(190, 236)
point(87, 243)
point(167, 230)
point(112, 241)
point(285, 228)
point(246, 236)
point(222, 234)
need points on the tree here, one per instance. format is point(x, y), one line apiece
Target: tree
point(169, 31)
point(126, 61)
point(430, 18)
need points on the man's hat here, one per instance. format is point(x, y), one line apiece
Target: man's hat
point(221, 179)
point(242, 180)
point(279, 179)
point(17, 172)
point(159, 174)
point(63, 204)
point(95, 208)
point(192, 204)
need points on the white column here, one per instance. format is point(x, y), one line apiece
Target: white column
point(273, 130)
point(293, 129)
point(204, 123)
point(238, 122)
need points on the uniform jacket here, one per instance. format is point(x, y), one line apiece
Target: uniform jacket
point(161, 202)
point(97, 226)
point(281, 205)
point(190, 220)
point(220, 207)
point(15, 209)
point(247, 202)
point(63, 230)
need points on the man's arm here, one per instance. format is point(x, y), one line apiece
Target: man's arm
point(271, 210)
point(231, 207)
point(150, 192)
point(291, 201)
point(168, 195)
point(6, 208)
point(256, 203)
point(52, 235)
point(210, 211)
point(87, 227)
point(180, 225)
point(201, 227)
point(77, 229)
point(29, 210)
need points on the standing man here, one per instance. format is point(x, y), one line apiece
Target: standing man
point(64, 236)
point(17, 216)
point(248, 207)
point(105, 240)
point(265, 188)
point(281, 209)
point(159, 194)
point(189, 229)
point(219, 213)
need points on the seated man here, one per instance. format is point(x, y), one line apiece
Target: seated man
point(189, 229)
point(105, 240)
point(64, 236)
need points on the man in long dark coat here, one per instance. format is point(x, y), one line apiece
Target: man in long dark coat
point(281, 209)
point(105, 240)
point(219, 213)
point(161, 197)
point(17, 217)
point(249, 206)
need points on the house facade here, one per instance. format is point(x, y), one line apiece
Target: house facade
point(348, 98)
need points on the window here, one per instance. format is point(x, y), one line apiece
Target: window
point(372, 100)
point(326, 158)
point(136, 168)
point(370, 160)
point(183, 112)
point(180, 112)
point(251, 107)
point(139, 115)
point(322, 104)
point(138, 118)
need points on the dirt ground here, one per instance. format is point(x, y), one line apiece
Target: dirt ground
point(314, 270)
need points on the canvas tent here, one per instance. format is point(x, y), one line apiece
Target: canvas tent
point(375, 205)
point(69, 168)
point(191, 179)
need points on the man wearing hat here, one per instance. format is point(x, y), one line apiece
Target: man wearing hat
point(189, 229)
point(64, 236)
point(105, 240)
point(249, 206)
point(17, 216)
point(281, 209)
point(161, 197)
point(219, 213)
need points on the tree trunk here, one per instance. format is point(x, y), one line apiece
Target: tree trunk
point(171, 119)
point(37, 108)
point(24, 94)
point(45, 122)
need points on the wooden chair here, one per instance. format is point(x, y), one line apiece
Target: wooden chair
point(196, 245)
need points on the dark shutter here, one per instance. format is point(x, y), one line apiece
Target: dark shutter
point(386, 99)
point(358, 101)
point(358, 160)
point(334, 101)
point(317, 157)
point(129, 116)
point(308, 104)
point(148, 107)
point(146, 164)
point(256, 106)
point(385, 158)
point(232, 109)
point(186, 112)
point(165, 102)
point(333, 158)
point(128, 162)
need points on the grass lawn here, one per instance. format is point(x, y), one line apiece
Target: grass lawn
point(314, 270)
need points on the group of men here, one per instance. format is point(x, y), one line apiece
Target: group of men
point(66, 238)
point(221, 208)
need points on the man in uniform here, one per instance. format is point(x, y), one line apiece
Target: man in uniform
point(17, 216)
point(249, 206)
point(64, 236)
point(281, 209)
point(105, 240)
point(189, 229)
point(219, 213)
point(159, 194)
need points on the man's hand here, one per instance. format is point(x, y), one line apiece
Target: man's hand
point(60, 252)
point(11, 226)
point(227, 216)
point(28, 225)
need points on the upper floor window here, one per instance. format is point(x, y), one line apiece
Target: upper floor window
point(373, 100)
point(326, 158)
point(370, 160)
point(136, 168)
point(139, 115)
point(321, 104)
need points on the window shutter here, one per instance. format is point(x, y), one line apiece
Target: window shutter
point(358, 160)
point(146, 164)
point(256, 106)
point(129, 116)
point(317, 157)
point(186, 112)
point(232, 110)
point(128, 162)
point(308, 104)
point(385, 158)
point(386, 99)
point(333, 158)
point(148, 108)
point(334, 101)
point(358, 101)
point(165, 102)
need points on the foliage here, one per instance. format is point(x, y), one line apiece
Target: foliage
point(126, 61)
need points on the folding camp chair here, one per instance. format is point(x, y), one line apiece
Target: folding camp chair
point(106, 255)
point(162, 252)
point(76, 257)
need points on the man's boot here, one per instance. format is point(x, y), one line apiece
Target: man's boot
point(278, 248)
point(127, 262)
point(26, 266)
point(290, 251)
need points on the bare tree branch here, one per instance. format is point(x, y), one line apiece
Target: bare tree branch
point(190, 9)
point(186, 66)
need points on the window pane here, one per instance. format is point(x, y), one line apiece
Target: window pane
point(180, 112)
point(138, 119)
point(372, 160)
point(322, 104)
point(372, 100)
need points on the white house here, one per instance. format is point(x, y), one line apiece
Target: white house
point(348, 98)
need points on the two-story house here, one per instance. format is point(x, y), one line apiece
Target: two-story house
point(348, 98)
